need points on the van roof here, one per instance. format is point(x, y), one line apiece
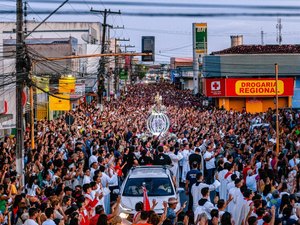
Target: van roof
point(149, 171)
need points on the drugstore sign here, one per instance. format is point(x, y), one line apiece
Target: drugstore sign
point(256, 87)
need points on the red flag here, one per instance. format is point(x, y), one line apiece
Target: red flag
point(146, 202)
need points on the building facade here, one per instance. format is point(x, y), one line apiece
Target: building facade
point(51, 39)
point(181, 70)
point(244, 77)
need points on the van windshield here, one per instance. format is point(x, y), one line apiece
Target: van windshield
point(154, 186)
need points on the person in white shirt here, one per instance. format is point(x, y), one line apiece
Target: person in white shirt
point(49, 212)
point(251, 181)
point(93, 158)
point(210, 159)
point(86, 177)
point(105, 181)
point(204, 205)
point(230, 184)
point(198, 186)
point(223, 181)
point(34, 217)
point(235, 207)
point(94, 167)
point(175, 159)
point(294, 161)
point(246, 205)
point(185, 162)
point(98, 189)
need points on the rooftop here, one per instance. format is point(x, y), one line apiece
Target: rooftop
point(183, 60)
point(260, 49)
point(36, 41)
point(148, 171)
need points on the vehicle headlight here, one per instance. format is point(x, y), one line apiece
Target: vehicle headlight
point(124, 215)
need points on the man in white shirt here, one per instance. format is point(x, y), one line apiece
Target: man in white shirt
point(94, 167)
point(87, 177)
point(235, 207)
point(198, 186)
point(175, 159)
point(34, 217)
point(210, 159)
point(185, 162)
point(230, 184)
point(251, 180)
point(93, 158)
point(223, 181)
point(49, 212)
point(204, 205)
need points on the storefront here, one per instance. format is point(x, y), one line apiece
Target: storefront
point(253, 94)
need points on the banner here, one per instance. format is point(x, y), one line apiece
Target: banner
point(148, 46)
point(243, 87)
point(79, 90)
point(200, 37)
point(146, 202)
point(43, 83)
point(259, 87)
point(214, 87)
point(67, 85)
point(62, 103)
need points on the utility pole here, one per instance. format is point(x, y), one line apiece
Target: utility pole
point(20, 74)
point(101, 69)
point(279, 34)
point(108, 83)
point(262, 37)
point(116, 78)
point(129, 69)
point(277, 112)
point(109, 73)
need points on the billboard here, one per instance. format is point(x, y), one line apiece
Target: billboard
point(42, 83)
point(148, 46)
point(59, 102)
point(200, 38)
point(259, 87)
point(123, 75)
point(214, 87)
point(79, 90)
point(243, 87)
point(67, 85)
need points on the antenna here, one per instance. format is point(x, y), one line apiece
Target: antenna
point(279, 34)
point(262, 37)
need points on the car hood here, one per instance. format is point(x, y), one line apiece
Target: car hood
point(130, 202)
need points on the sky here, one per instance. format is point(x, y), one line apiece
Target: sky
point(173, 35)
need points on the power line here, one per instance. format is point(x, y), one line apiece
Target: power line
point(52, 13)
point(177, 5)
point(171, 14)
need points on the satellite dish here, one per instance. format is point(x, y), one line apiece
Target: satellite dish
point(85, 38)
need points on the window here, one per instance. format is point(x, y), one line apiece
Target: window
point(154, 186)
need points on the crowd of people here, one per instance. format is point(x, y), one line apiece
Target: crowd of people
point(225, 160)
